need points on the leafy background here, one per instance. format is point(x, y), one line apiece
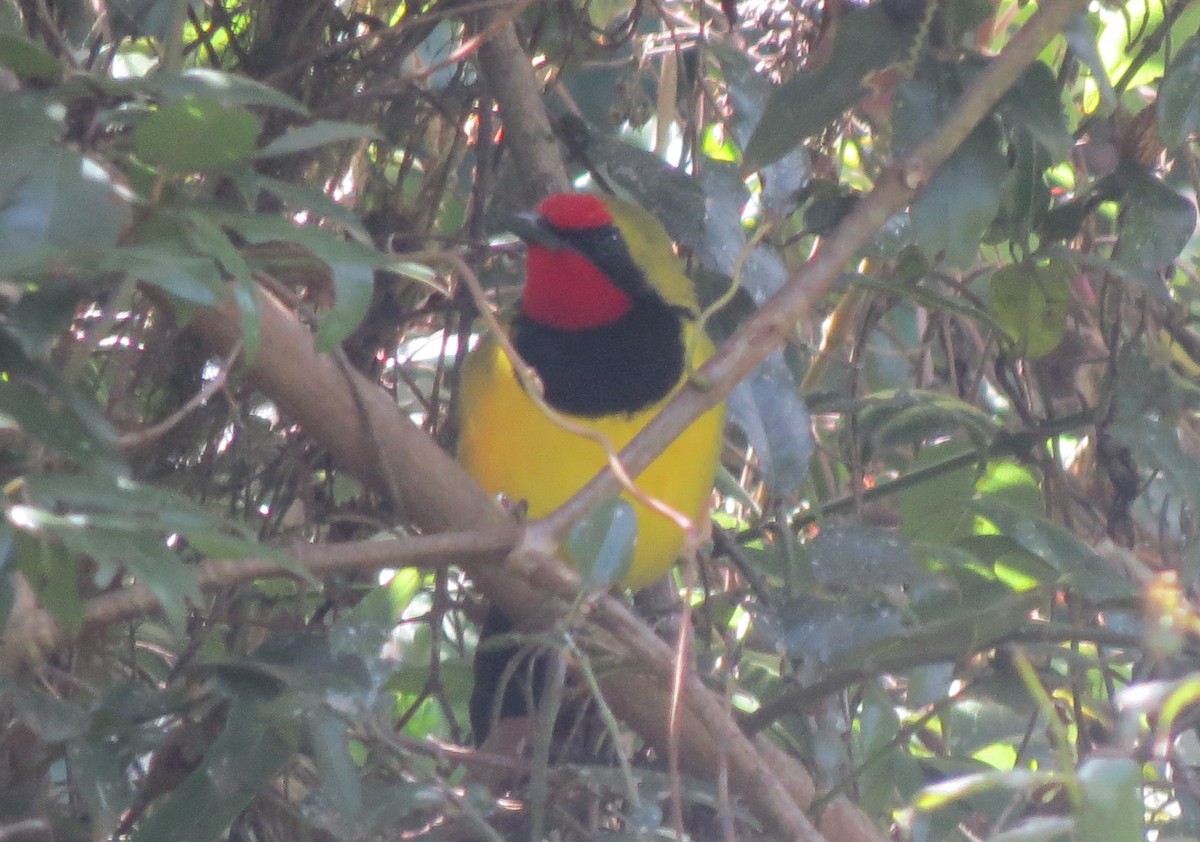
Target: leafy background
point(955, 547)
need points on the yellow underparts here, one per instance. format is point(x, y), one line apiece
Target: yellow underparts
point(511, 447)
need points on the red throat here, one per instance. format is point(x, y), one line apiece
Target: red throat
point(564, 289)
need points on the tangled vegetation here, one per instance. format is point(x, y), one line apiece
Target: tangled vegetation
point(950, 590)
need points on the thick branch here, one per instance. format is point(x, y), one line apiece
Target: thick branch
point(510, 80)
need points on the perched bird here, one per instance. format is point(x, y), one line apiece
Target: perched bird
point(607, 318)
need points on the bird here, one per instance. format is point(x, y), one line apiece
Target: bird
point(609, 321)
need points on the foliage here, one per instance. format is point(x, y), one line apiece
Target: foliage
point(955, 559)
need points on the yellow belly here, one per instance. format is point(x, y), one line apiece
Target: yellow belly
point(509, 446)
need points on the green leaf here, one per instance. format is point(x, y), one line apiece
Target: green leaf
point(246, 757)
point(1035, 102)
point(1113, 802)
point(868, 40)
point(725, 239)
point(1082, 41)
point(103, 779)
point(28, 59)
point(936, 510)
point(231, 90)
point(1178, 106)
point(601, 544)
point(57, 415)
point(824, 631)
point(320, 133)
point(354, 283)
point(64, 202)
point(1030, 301)
point(50, 571)
point(172, 269)
point(954, 210)
point(331, 753)
point(196, 134)
point(351, 263)
point(1155, 224)
point(303, 197)
point(1025, 203)
point(768, 408)
point(1085, 571)
point(861, 556)
point(29, 125)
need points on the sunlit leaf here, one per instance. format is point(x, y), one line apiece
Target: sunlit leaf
point(1030, 301)
point(1084, 570)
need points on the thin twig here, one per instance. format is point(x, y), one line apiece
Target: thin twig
point(154, 431)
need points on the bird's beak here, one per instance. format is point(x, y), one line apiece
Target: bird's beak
point(533, 229)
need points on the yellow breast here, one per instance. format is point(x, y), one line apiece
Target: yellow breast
point(510, 446)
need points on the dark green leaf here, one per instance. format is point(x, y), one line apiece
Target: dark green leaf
point(602, 543)
point(245, 758)
point(768, 408)
point(320, 133)
point(860, 556)
point(50, 570)
point(749, 91)
point(1025, 203)
point(331, 753)
point(954, 210)
point(868, 40)
point(195, 134)
point(1155, 224)
point(64, 420)
point(1178, 105)
point(29, 125)
point(52, 718)
point(158, 19)
point(1155, 442)
point(354, 283)
point(1030, 301)
point(726, 241)
point(165, 265)
point(826, 631)
point(28, 59)
point(43, 313)
point(352, 264)
point(103, 778)
point(65, 202)
point(1035, 103)
point(299, 197)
